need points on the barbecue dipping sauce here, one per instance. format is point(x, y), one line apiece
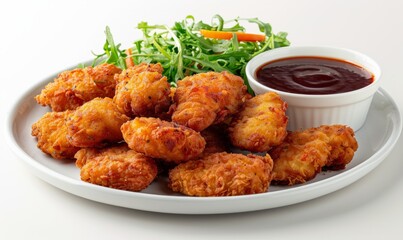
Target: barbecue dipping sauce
point(313, 75)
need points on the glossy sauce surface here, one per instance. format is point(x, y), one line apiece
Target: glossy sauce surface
point(313, 75)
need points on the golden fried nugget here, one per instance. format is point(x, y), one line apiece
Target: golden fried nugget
point(116, 167)
point(74, 87)
point(303, 154)
point(161, 139)
point(222, 174)
point(95, 124)
point(143, 94)
point(261, 124)
point(340, 138)
point(298, 163)
point(207, 98)
point(51, 132)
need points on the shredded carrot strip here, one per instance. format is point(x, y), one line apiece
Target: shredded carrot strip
point(247, 37)
point(129, 59)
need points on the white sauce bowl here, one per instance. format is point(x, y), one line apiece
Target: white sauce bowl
point(309, 110)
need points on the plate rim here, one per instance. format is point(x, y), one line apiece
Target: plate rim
point(118, 197)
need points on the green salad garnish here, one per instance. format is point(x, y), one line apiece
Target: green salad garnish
point(183, 51)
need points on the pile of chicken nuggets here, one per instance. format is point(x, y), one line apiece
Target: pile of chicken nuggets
point(125, 128)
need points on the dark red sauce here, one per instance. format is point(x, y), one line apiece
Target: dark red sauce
point(313, 75)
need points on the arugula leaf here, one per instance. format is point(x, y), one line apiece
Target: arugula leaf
point(182, 51)
point(112, 52)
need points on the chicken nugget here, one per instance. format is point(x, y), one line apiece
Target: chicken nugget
point(145, 94)
point(261, 124)
point(207, 98)
point(222, 174)
point(340, 138)
point(95, 124)
point(74, 87)
point(161, 139)
point(51, 133)
point(305, 153)
point(116, 167)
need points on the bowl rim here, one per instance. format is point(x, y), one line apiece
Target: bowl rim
point(250, 72)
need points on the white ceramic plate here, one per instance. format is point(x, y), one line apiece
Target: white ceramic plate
point(376, 139)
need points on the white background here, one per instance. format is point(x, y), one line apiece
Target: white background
point(39, 38)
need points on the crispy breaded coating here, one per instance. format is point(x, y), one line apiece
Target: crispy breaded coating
point(95, 124)
point(261, 124)
point(298, 163)
point(161, 139)
point(303, 154)
point(143, 94)
point(207, 98)
point(74, 87)
point(116, 167)
point(51, 133)
point(222, 174)
point(128, 73)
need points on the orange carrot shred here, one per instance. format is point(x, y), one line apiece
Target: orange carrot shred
point(247, 37)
